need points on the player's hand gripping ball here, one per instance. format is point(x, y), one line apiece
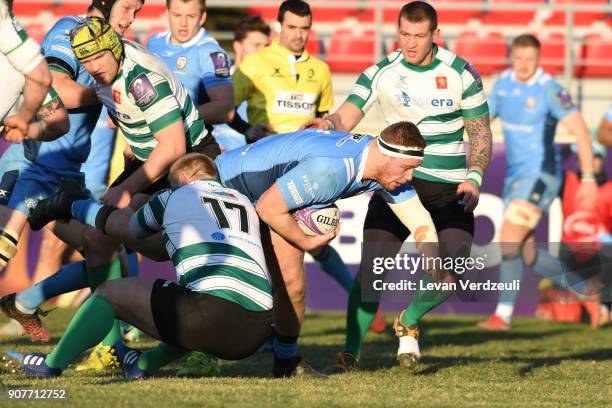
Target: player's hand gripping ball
point(317, 220)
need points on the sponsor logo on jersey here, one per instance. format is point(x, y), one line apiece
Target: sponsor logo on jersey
point(403, 99)
point(355, 137)
point(531, 102)
point(441, 82)
point(472, 70)
point(117, 96)
point(310, 187)
point(441, 102)
point(118, 115)
point(4, 193)
point(294, 103)
point(295, 194)
point(142, 90)
point(276, 73)
point(181, 62)
point(217, 236)
point(220, 64)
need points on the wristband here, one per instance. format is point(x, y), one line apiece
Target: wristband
point(475, 176)
point(587, 175)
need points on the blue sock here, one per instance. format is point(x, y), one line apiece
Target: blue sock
point(509, 270)
point(554, 269)
point(133, 266)
point(332, 264)
point(85, 211)
point(70, 277)
point(284, 349)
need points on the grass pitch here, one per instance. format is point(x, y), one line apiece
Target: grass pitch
point(536, 364)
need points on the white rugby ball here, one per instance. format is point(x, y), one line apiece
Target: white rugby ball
point(317, 221)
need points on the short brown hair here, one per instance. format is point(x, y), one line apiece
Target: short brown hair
point(526, 40)
point(202, 4)
point(418, 11)
point(249, 25)
point(191, 164)
point(403, 134)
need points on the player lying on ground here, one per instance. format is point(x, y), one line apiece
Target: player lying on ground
point(221, 270)
point(281, 173)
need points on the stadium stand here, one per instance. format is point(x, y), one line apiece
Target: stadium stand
point(552, 55)
point(595, 59)
point(487, 52)
point(349, 51)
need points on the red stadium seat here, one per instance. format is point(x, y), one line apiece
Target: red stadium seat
point(150, 32)
point(350, 53)
point(449, 16)
point(516, 17)
point(580, 17)
point(488, 53)
point(595, 58)
point(30, 9)
point(37, 31)
point(552, 55)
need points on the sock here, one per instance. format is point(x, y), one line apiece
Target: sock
point(133, 266)
point(88, 326)
point(284, 347)
point(510, 269)
point(85, 211)
point(422, 303)
point(70, 277)
point(151, 360)
point(554, 269)
point(329, 260)
point(359, 316)
point(96, 276)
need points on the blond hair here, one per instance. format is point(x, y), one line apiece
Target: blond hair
point(192, 166)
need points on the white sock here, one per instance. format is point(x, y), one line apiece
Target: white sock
point(23, 309)
point(408, 344)
point(505, 310)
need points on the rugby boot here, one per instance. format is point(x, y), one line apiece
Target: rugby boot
point(101, 358)
point(128, 358)
point(57, 206)
point(30, 364)
point(31, 323)
point(294, 367)
point(347, 362)
point(408, 353)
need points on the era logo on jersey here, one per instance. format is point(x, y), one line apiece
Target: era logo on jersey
point(440, 103)
point(142, 90)
point(117, 96)
point(181, 62)
point(441, 82)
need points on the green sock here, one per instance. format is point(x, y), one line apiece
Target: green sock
point(359, 316)
point(152, 360)
point(96, 276)
point(423, 302)
point(88, 326)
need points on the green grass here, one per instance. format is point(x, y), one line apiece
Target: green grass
point(536, 364)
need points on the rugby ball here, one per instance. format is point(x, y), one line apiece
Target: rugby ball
point(317, 220)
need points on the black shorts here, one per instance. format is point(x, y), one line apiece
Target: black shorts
point(440, 199)
point(207, 323)
point(207, 146)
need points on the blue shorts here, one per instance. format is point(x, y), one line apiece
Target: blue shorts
point(10, 164)
point(36, 182)
point(97, 166)
point(540, 189)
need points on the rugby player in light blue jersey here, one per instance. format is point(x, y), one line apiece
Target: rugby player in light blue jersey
point(604, 132)
point(45, 164)
point(530, 103)
point(285, 172)
point(197, 60)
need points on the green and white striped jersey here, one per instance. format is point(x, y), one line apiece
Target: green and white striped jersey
point(145, 98)
point(212, 236)
point(436, 97)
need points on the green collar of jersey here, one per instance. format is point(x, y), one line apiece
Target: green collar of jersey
point(422, 68)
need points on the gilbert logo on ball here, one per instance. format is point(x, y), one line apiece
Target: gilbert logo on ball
point(317, 221)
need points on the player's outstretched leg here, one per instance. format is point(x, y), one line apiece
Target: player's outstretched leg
point(57, 206)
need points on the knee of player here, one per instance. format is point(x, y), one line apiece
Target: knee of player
point(95, 241)
point(8, 246)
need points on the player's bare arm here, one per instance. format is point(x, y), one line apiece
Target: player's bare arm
point(480, 140)
point(345, 118)
point(604, 132)
point(73, 95)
